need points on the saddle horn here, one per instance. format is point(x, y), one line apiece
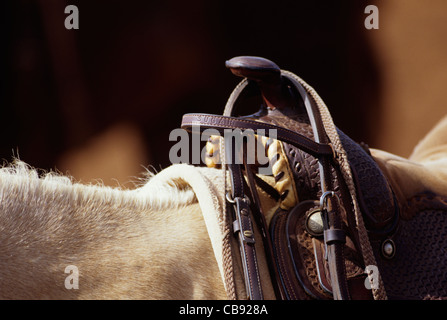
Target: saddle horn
point(267, 75)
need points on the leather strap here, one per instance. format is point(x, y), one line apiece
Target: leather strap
point(334, 249)
point(243, 227)
point(208, 121)
point(334, 235)
point(259, 217)
point(241, 212)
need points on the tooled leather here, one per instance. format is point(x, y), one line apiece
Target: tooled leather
point(302, 245)
point(304, 166)
point(373, 191)
point(420, 244)
point(294, 289)
point(305, 171)
point(306, 175)
point(420, 202)
point(301, 240)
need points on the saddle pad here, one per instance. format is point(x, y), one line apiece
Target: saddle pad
point(208, 185)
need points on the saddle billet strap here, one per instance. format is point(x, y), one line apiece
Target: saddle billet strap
point(262, 224)
point(243, 226)
point(242, 222)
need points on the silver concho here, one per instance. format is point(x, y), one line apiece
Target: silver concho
point(388, 249)
point(314, 223)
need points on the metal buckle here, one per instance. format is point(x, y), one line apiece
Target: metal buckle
point(233, 201)
point(325, 196)
point(244, 220)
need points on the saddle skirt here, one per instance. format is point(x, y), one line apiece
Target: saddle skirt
point(332, 219)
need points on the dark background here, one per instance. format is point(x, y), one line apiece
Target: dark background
point(138, 66)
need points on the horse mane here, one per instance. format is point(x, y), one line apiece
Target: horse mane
point(20, 182)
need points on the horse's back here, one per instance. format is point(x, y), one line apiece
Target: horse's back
point(110, 247)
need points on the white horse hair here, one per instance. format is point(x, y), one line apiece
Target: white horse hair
point(146, 243)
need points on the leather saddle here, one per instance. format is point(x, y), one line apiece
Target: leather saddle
point(332, 227)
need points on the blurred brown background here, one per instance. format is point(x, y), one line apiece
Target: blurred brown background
point(100, 102)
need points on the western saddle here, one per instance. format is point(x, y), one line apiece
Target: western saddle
point(336, 230)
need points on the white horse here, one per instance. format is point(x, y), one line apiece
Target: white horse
point(63, 240)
